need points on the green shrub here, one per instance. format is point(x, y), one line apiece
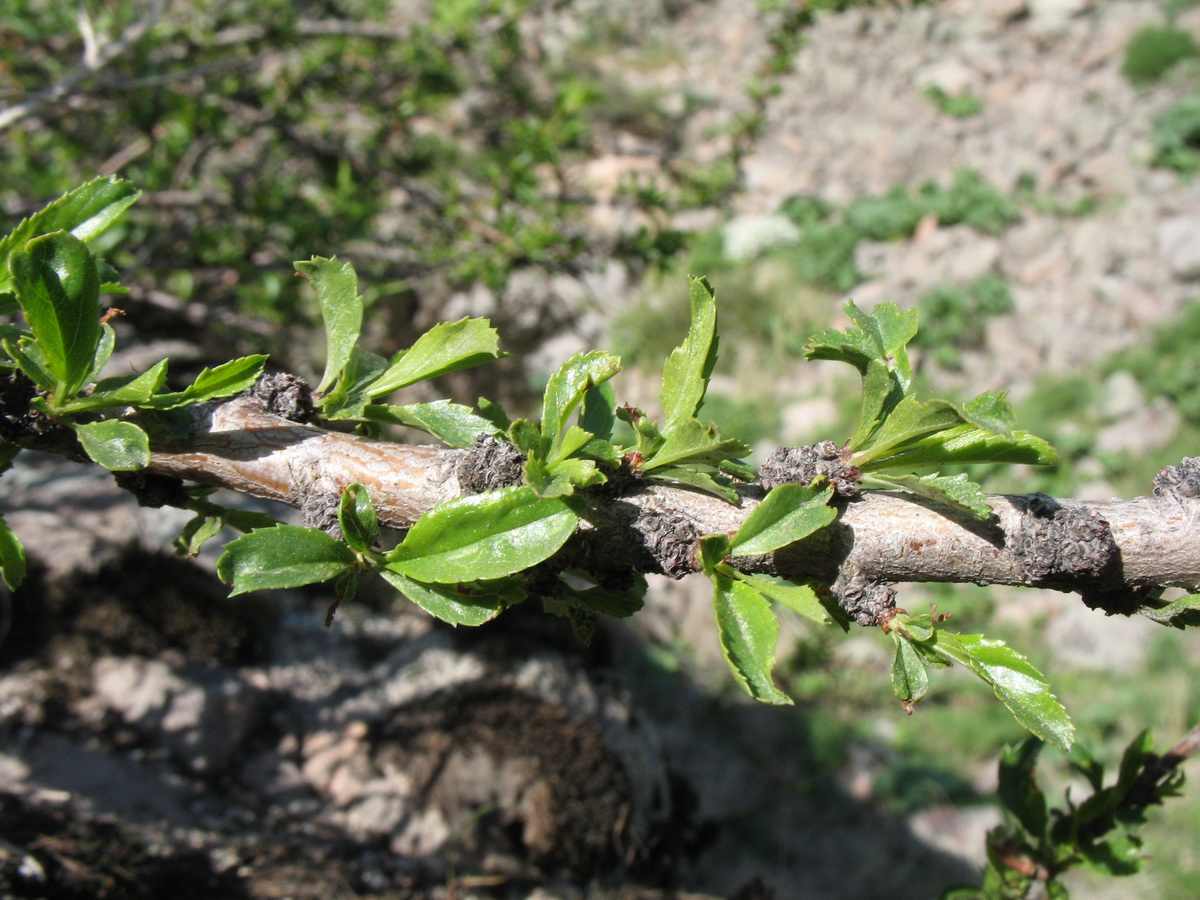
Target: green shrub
point(1176, 136)
point(960, 106)
point(1154, 50)
point(954, 317)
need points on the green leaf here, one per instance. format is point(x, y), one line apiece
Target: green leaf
point(1018, 789)
point(225, 380)
point(968, 444)
point(562, 478)
point(484, 536)
point(992, 412)
point(952, 490)
point(198, 531)
point(1020, 686)
point(349, 399)
point(122, 390)
point(449, 422)
point(284, 556)
point(336, 285)
point(691, 442)
point(356, 516)
point(58, 288)
point(12, 557)
point(694, 478)
point(618, 604)
point(882, 390)
point(787, 514)
point(1178, 614)
point(799, 598)
point(210, 519)
point(29, 359)
point(713, 550)
point(910, 678)
point(690, 365)
point(495, 414)
point(458, 604)
point(104, 352)
point(565, 391)
point(8, 452)
point(446, 347)
point(877, 335)
point(910, 421)
point(748, 631)
point(599, 410)
point(116, 445)
point(1121, 854)
point(84, 212)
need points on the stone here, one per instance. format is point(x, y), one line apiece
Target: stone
point(1179, 243)
point(202, 712)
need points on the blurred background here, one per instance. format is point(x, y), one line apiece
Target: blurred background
point(1023, 172)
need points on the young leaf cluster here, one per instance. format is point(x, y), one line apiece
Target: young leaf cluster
point(897, 433)
point(51, 277)
point(1036, 845)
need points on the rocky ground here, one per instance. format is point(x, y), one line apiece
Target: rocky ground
point(158, 740)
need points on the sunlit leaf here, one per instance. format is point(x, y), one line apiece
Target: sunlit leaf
point(282, 557)
point(118, 446)
point(484, 536)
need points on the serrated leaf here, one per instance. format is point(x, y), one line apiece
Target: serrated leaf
point(695, 444)
point(1020, 686)
point(565, 391)
point(690, 365)
point(104, 352)
point(562, 478)
point(357, 518)
point(446, 347)
point(336, 285)
point(952, 490)
point(122, 390)
point(712, 552)
point(801, 599)
point(882, 390)
point(225, 380)
point(85, 212)
point(787, 514)
point(28, 358)
point(116, 445)
point(966, 445)
point(449, 422)
point(992, 412)
point(348, 399)
point(599, 411)
point(198, 531)
point(1133, 760)
point(495, 414)
point(284, 556)
point(749, 632)
point(1178, 614)
point(910, 678)
point(1018, 789)
point(58, 288)
point(618, 604)
point(909, 421)
point(484, 536)
point(882, 333)
point(12, 557)
point(456, 604)
point(570, 442)
point(694, 478)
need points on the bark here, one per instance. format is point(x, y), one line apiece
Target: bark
point(1109, 551)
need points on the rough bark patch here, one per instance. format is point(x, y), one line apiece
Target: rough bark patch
point(489, 465)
